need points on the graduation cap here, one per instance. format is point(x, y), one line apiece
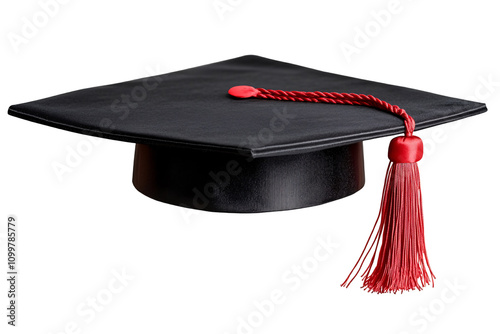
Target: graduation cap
point(252, 134)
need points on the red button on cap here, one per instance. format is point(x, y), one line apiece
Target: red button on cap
point(243, 92)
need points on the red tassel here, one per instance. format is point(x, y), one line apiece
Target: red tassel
point(402, 262)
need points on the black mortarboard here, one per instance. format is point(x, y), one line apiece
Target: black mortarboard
point(199, 147)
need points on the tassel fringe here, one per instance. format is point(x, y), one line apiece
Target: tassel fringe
point(402, 262)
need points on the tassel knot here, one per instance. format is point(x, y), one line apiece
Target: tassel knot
point(405, 149)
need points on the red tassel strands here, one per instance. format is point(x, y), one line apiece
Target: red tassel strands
point(402, 262)
point(398, 234)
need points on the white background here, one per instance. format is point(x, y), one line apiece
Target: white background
point(199, 272)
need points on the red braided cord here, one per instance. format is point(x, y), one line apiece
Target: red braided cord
point(339, 98)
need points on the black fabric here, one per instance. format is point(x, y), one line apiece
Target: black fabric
point(229, 182)
point(191, 108)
